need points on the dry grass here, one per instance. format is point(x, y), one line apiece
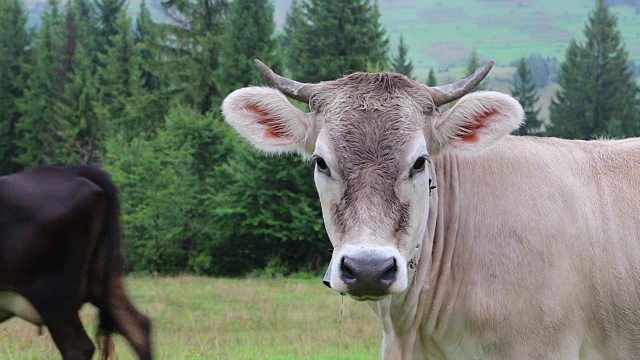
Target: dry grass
point(205, 318)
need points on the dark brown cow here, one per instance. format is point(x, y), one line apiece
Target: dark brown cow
point(60, 248)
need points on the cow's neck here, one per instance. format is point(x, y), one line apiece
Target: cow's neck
point(420, 314)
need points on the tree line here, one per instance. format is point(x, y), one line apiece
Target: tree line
point(91, 85)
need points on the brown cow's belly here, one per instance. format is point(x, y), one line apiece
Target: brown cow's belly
point(14, 304)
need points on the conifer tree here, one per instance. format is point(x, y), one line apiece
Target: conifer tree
point(431, 78)
point(152, 102)
point(248, 35)
point(524, 90)
point(147, 40)
point(108, 13)
point(75, 129)
point(121, 81)
point(472, 66)
point(35, 129)
point(70, 40)
point(292, 41)
point(193, 43)
point(13, 57)
point(399, 62)
point(285, 224)
point(78, 129)
point(88, 30)
point(145, 27)
point(597, 95)
point(339, 36)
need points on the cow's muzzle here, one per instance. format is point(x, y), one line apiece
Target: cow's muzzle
point(367, 273)
point(368, 277)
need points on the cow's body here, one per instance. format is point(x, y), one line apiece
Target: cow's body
point(60, 248)
point(467, 242)
point(536, 255)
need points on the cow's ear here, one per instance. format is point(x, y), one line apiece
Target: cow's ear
point(269, 121)
point(476, 122)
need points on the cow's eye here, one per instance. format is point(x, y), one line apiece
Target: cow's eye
point(321, 165)
point(418, 166)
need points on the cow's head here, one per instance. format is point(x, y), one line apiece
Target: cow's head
point(371, 136)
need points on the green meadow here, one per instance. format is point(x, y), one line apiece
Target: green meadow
point(210, 318)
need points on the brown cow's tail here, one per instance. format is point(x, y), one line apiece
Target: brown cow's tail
point(111, 234)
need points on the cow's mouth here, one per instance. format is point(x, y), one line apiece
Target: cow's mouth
point(368, 297)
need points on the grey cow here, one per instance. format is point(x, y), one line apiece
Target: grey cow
point(468, 243)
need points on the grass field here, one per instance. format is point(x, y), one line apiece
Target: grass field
point(206, 318)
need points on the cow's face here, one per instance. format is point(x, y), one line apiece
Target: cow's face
point(372, 172)
point(371, 137)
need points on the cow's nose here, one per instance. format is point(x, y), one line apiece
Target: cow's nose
point(368, 277)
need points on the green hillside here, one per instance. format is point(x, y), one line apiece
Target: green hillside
point(442, 33)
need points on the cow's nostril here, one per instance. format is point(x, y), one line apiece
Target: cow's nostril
point(348, 270)
point(390, 272)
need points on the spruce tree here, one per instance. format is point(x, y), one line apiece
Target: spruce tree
point(145, 27)
point(400, 63)
point(70, 40)
point(284, 224)
point(147, 40)
point(88, 30)
point(597, 95)
point(35, 129)
point(292, 41)
point(524, 90)
point(193, 45)
point(249, 35)
point(431, 78)
point(152, 101)
point(78, 131)
point(13, 57)
point(472, 66)
point(339, 36)
point(121, 81)
point(108, 12)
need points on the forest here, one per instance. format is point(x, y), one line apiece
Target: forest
point(92, 85)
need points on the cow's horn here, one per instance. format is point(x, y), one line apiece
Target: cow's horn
point(291, 88)
point(447, 93)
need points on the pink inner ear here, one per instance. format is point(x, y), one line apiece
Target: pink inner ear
point(274, 129)
point(470, 131)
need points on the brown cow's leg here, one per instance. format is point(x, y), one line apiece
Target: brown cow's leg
point(68, 334)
